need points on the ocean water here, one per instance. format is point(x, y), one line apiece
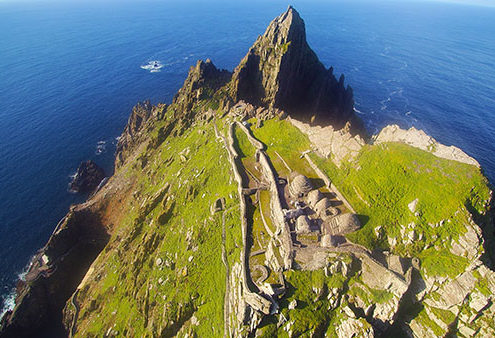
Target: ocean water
point(70, 73)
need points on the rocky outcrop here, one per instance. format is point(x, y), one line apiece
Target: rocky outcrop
point(141, 114)
point(203, 80)
point(354, 327)
point(339, 145)
point(54, 274)
point(280, 70)
point(419, 139)
point(87, 178)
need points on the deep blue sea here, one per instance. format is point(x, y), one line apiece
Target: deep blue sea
point(70, 73)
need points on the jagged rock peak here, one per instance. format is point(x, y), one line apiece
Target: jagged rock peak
point(289, 26)
point(280, 70)
point(203, 78)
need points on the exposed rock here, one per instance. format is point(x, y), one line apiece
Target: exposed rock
point(354, 327)
point(40, 299)
point(335, 144)
point(202, 78)
point(478, 301)
point(375, 276)
point(280, 70)
point(293, 304)
point(141, 113)
point(412, 205)
point(395, 264)
point(87, 178)
point(419, 139)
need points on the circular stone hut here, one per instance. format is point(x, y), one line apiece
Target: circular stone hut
point(314, 196)
point(300, 185)
point(303, 224)
point(341, 224)
point(322, 205)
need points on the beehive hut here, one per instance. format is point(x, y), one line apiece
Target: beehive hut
point(322, 205)
point(341, 224)
point(303, 224)
point(314, 196)
point(300, 185)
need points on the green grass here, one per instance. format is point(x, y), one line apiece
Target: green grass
point(389, 176)
point(444, 315)
point(426, 321)
point(442, 263)
point(129, 279)
point(242, 144)
point(287, 140)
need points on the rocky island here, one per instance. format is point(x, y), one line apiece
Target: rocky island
point(255, 204)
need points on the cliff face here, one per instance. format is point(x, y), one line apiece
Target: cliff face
point(282, 71)
point(141, 114)
point(226, 218)
point(54, 274)
point(203, 80)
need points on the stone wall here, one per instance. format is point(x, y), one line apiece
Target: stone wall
point(277, 215)
point(251, 296)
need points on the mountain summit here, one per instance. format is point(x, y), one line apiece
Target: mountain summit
point(280, 70)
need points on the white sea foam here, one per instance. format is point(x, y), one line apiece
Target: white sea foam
point(101, 147)
point(8, 303)
point(9, 300)
point(153, 66)
point(358, 111)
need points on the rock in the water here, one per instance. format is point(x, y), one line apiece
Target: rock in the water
point(87, 178)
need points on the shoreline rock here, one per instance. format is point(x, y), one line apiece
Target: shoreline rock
point(87, 178)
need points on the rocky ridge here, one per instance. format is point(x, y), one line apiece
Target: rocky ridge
point(281, 71)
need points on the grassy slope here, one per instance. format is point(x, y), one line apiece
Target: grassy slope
point(386, 178)
point(127, 291)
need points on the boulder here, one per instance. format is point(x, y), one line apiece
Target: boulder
point(412, 205)
point(354, 327)
point(87, 178)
